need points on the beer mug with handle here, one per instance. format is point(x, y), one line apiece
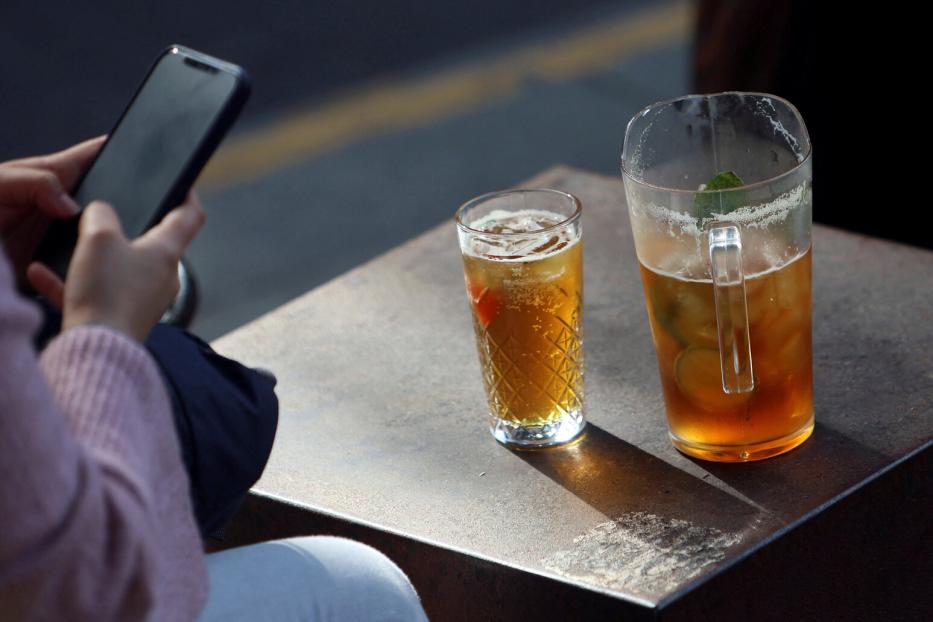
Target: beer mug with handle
point(719, 191)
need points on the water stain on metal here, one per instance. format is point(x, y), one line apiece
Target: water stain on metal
point(642, 553)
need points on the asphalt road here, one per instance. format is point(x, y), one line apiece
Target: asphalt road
point(67, 69)
point(367, 125)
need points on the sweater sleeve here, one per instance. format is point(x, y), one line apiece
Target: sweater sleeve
point(95, 516)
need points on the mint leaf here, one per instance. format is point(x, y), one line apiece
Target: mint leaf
point(724, 180)
point(710, 201)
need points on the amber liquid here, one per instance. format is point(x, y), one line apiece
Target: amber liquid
point(704, 420)
point(527, 318)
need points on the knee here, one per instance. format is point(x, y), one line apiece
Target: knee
point(364, 583)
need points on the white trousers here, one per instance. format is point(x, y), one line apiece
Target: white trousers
point(309, 579)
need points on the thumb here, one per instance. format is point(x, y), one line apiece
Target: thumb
point(100, 219)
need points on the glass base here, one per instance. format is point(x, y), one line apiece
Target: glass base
point(558, 432)
point(744, 453)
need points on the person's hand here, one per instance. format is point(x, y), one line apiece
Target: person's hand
point(35, 190)
point(123, 284)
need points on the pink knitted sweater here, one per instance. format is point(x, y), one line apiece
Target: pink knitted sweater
point(95, 517)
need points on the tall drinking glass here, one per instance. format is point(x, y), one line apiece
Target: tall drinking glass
point(719, 196)
point(523, 264)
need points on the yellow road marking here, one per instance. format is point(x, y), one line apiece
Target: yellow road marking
point(404, 104)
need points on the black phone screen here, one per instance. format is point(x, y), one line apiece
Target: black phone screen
point(151, 150)
point(154, 140)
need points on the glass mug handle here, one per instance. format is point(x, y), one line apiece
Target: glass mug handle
point(735, 350)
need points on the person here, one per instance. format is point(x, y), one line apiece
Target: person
point(225, 414)
point(96, 515)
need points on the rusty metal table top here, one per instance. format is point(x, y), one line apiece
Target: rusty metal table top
point(383, 413)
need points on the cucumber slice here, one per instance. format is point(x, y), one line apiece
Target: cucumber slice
point(685, 315)
point(699, 378)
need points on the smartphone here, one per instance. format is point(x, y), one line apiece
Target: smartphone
point(176, 119)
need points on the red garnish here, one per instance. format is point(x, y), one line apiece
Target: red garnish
point(484, 303)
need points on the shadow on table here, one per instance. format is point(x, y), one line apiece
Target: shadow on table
point(863, 385)
point(792, 484)
point(616, 478)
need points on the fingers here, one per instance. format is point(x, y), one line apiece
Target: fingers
point(47, 283)
point(176, 231)
point(67, 165)
point(98, 220)
point(71, 163)
point(26, 188)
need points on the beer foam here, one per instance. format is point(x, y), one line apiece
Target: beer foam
point(751, 216)
point(521, 235)
point(765, 214)
point(521, 221)
point(690, 267)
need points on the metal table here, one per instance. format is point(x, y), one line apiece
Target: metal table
point(383, 438)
